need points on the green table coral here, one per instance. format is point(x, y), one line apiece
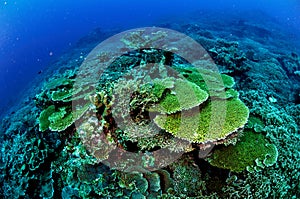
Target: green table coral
point(44, 117)
point(206, 79)
point(252, 152)
point(186, 108)
point(183, 96)
point(62, 104)
point(196, 126)
point(61, 119)
point(207, 113)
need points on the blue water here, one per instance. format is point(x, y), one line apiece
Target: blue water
point(34, 33)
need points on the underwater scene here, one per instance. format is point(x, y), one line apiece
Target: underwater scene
point(150, 99)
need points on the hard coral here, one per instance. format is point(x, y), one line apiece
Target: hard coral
point(204, 123)
point(183, 96)
point(182, 108)
point(194, 125)
point(61, 119)
point(228, 55)
point(252, 152)
point(21, 164)
point(56, 100)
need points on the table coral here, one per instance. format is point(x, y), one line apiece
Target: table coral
point(57, 99)
point(184, 96)
point(197, 122)
point(44, 117)
point(251, 152)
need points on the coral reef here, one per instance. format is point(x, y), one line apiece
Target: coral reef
point(58, 142)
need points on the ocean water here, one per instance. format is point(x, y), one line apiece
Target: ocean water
point(35, 33)
point(68, 132)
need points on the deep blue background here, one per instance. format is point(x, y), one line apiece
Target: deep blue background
point(34, 32)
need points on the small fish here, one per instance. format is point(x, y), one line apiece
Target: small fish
point(40, 72)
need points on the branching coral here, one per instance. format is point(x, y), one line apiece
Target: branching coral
point(187, 179)
point(227, 54)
